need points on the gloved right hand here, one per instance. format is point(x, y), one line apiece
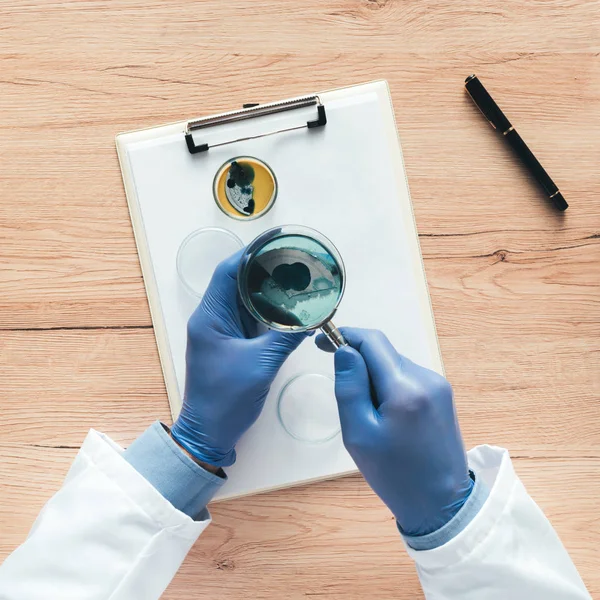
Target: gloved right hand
point(399, 425)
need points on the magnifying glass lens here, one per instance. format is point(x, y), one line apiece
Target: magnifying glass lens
point(291, 279)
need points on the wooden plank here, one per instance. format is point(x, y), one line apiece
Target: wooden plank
point(536, 394)
point(291, 546)
point(64, 382)
point(139, 27)
point(332, 539)
point(68, 256)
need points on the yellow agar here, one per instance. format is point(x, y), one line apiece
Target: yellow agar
point(264, 187)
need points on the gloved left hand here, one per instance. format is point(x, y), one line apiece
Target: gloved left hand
point(229, 370)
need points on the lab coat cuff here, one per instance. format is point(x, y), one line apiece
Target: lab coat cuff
point(105, 457)
point(463, 517)
point(180, 480)
point(492, 467)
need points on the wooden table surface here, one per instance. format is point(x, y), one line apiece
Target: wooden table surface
point(515, 285)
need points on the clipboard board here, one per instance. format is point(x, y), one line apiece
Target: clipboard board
point(339, 168)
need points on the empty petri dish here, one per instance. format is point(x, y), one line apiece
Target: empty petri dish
point(245, 188)
point(199, 254)
point(307, 408)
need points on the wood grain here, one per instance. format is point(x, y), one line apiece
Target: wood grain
point(514, 285)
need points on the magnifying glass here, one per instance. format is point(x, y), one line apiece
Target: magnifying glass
point(292, 278)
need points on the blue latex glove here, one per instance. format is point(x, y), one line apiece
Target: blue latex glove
point(229, 370)
point(399, 425)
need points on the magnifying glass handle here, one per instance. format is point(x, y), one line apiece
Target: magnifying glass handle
point(334, 334)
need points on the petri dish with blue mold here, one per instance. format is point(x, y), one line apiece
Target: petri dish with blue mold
point(291, 278)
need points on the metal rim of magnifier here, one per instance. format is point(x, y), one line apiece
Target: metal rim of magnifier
point(285, 231)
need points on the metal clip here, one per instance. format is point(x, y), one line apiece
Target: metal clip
point(249, 112)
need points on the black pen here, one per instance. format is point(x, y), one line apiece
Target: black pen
point(491, 111)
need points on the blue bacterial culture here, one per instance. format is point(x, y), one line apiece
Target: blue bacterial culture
point(294, 281)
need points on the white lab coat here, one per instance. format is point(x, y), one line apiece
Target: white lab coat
point(108, 534)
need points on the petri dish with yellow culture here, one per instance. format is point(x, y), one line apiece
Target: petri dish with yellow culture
point(245, 188)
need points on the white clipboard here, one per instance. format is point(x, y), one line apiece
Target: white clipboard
point(344, 178)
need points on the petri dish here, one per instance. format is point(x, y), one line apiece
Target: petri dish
point(307, 408)
point(291, 278)
point(199, 254)
point(245, 188)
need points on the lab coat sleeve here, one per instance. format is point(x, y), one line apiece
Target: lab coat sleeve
point(106, 534)
point(508, 550)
